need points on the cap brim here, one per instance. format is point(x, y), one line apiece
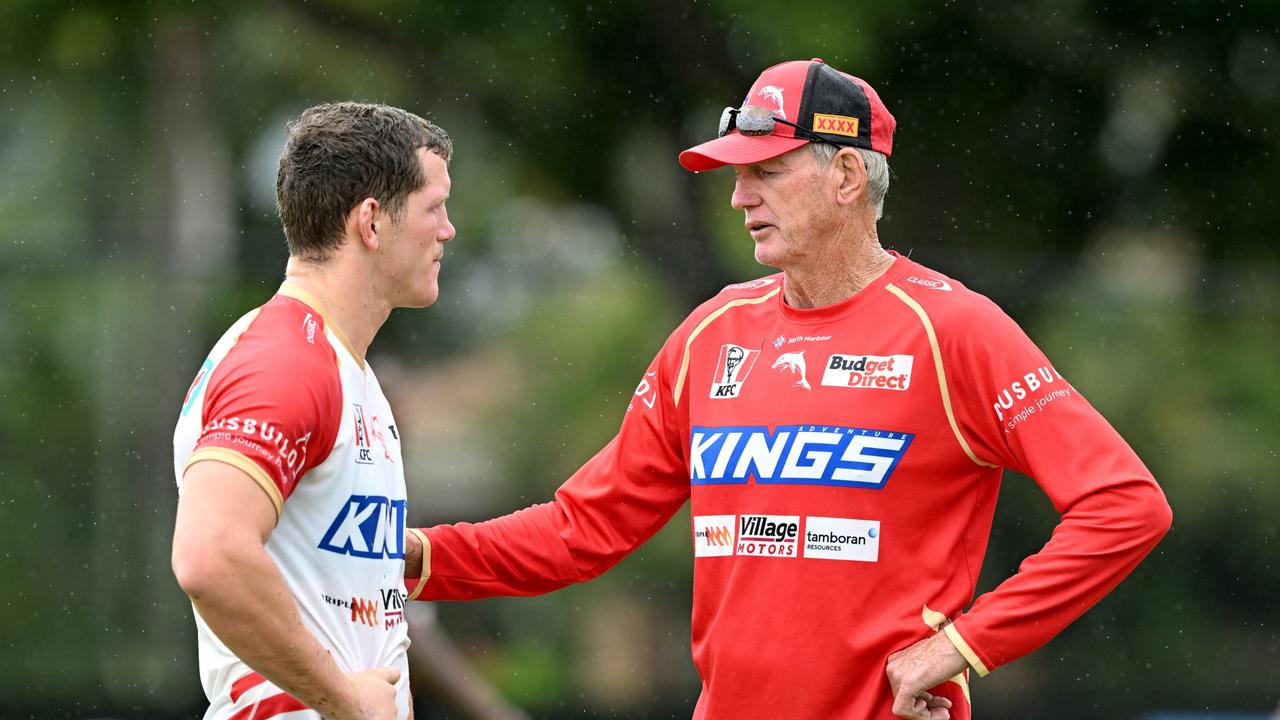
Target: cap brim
point(737, 149)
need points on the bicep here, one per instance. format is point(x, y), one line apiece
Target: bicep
point(221, 505)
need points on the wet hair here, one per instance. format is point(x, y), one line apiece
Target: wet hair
point(337, 155)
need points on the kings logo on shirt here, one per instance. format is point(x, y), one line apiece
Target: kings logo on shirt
point(795, 455)
point(732, 369)
point(367, 526)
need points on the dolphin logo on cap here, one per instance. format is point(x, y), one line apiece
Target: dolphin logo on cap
point(774, 93)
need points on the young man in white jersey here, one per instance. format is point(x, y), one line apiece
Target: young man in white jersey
point(290, 526)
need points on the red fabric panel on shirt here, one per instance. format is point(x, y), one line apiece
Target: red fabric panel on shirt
point(276, 397)
point(271, 707)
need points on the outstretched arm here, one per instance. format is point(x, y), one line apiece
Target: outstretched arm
point(610, 506)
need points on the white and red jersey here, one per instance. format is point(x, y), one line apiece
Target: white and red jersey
point(843, 465)
point(284, 398)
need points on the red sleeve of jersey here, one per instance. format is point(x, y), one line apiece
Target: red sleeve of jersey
point(610, 506)
point(274, 403)
point(1017, 412)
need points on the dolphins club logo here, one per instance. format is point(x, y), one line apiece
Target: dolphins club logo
point(774, 93)
point(793, 362)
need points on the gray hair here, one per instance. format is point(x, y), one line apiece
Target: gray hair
point(877, 171)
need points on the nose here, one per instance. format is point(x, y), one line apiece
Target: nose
point(743, 195)
point(447, 230)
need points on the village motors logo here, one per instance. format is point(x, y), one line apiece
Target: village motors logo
point(768, 535)
point(713, 535)
point(367, 526)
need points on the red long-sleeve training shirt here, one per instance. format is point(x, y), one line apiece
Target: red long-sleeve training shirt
point(843, 465)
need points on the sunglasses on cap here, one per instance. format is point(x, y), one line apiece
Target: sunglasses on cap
point(755, 121)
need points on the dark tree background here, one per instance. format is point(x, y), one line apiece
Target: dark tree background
point(1105, 171)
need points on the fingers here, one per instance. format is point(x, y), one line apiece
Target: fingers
point(906, 705)
point(389, 674)
point(924, 706)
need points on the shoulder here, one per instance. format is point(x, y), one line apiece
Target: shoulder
point(948, 304)
point(282, 354)
point(744, 294)
point(963, 322)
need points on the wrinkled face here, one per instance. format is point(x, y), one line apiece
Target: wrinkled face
point(790, 207)
point(411, 247)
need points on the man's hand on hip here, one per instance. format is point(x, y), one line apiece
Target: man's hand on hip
point(373, 694)
point(913, 671)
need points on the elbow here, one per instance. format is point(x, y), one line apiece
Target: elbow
point(196, 566)
point(1164, 516)
point(1155, 513)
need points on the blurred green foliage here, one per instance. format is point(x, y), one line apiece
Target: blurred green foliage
point(1105, 171)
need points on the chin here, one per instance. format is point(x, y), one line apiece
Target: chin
point(425, 298)
point(767, 259)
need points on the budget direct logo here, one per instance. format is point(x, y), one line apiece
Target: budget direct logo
point(768, 535)
point(713, 535)
point(367, 526)
point(879, 372)
point(795, 455)
point(842, 539)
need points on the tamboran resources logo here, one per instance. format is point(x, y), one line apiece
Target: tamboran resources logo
point(779, 536)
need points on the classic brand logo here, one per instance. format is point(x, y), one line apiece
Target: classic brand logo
point(367, 526)
point(842, 539)
point(768, 535)
point(732, 368)
point(882, 372)
point(750, 284)
point(713, 535)
point(795, 455)
point(309, 326)
point(835, 125)
point(935, 283)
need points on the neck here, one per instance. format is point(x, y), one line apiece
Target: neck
point(848, 265)
point(343, 289)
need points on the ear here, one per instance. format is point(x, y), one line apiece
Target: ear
point(362, 222)
point(853, 176)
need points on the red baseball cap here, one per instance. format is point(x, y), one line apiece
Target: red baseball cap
point(824, 102)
